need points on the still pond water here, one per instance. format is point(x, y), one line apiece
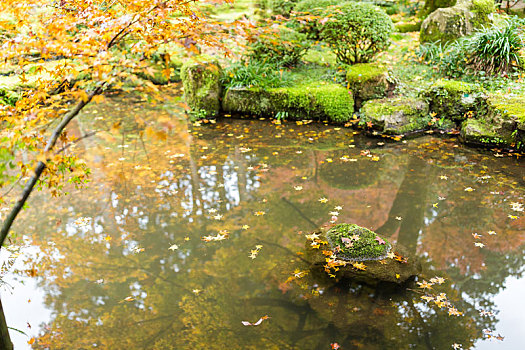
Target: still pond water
point(186, 231)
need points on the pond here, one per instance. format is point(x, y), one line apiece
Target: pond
point(187, 235)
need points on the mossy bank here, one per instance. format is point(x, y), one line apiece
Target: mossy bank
point(367, 95)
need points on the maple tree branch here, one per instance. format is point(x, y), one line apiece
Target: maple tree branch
point(39, 169)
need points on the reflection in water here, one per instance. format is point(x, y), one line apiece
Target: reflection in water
point(125, 266)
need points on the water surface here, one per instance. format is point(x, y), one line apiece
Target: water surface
point(186, 231)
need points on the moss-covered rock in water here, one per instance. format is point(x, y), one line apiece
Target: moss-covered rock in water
point(202, 89)
point(454, 99)
point(353, 242)
point(396, 116)
point(503, 125)
point(451, 23)
point(368, 81)
point(354, 252)
point(317, 101)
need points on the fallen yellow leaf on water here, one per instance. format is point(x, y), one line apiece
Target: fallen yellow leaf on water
point(246, 323)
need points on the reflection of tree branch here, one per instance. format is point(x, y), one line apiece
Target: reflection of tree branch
point(300, 212)
point(40, 167)
point(147, 343)
point(284, 248)
point(153, 319)
point(426, 332)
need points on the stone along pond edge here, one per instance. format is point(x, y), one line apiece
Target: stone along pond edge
point(484, 119)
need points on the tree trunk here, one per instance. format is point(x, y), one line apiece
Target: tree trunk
point(5, 340)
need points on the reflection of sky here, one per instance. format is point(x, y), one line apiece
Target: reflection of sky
point(510, 303)
point(18, 311)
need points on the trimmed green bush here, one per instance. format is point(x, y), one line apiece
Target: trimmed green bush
point(281, 7)
point(283, 47)
point(357, 31)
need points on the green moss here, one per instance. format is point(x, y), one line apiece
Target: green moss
point(357, 243)
point(320, 57)
point(396, 116)
point(368, 81)
point(363, 72)
point(405, 27)
point(508, 106)
point(432, 5)
point(481, 132)
point(316, 101)
point(483, 7)
point(453, 99)
point(200, 77)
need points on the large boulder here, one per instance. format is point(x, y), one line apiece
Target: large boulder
point(451, 23)
point(202, 88)
point(319, 101)
point(503, 124)
point(455, 100)
point(348, 251)
point(368, 81)
point(397, 116)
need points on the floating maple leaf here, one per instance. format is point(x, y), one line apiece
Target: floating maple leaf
point(425, 285)
point(359, 266)
point(347, 241)
point(380, 240)
point(246, 323)
point(452, 311)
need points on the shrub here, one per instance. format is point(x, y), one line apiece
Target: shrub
point(357, 31)
point(281, 7)
point(282, 46)
point(253, 74)
point(494, 50)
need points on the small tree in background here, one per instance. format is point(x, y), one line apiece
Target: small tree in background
point(356, 31)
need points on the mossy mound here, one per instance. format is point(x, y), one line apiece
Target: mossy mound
point(407, 27)
point(397, 116)
point(202, 89)
point(454, 99)
point(356, 243)
point(368, 259)
point(368, 81)
point(451, 23)
point(317, 101)
point(509, 107)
